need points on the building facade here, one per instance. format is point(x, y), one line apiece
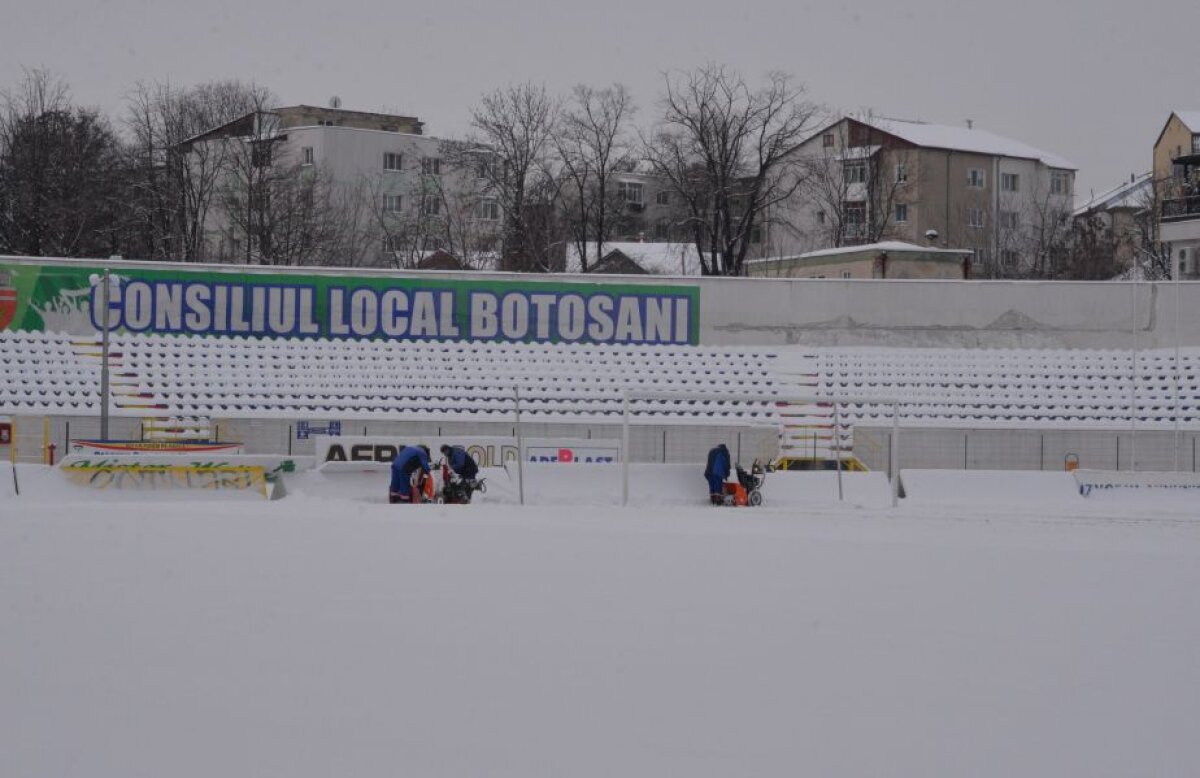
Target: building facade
point(868, 179)
point(1177, 191)
point(889, 259)
point(307, 185)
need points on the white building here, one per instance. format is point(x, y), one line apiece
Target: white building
point(388, 193)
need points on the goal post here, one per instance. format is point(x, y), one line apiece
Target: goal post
point(631, 396)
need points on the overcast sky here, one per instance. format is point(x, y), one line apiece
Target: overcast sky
point(1091, 81)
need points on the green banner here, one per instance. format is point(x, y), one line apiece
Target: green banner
point(170, 299)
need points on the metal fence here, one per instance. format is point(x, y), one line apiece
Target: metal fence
point(1028, 449)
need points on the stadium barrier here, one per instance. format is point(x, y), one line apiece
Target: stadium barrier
point(1030, 449)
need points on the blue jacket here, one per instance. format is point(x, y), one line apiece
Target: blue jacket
point(408, 461)
point(462, 463)
point(718, 463)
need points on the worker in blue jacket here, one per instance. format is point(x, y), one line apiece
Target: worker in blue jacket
point(409, 460)
point(462, 463)
point(716, 471)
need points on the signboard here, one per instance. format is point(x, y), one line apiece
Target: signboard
point(490, 451)
point(1101, 482)
point(170, 448)
point(305, 429)
point(272, 465)
point(133, 475)
point(163, 298)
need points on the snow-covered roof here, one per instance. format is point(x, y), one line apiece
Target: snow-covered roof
point(668, 259)
point(897, 246)
point(944, 136)
point(1131, 194)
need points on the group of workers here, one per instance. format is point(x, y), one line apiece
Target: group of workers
point(411, 460)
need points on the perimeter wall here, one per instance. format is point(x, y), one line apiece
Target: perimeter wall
point(814, 312)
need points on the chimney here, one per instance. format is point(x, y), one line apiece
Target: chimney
point(970, 124)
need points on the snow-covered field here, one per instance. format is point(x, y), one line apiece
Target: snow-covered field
point(331, 634)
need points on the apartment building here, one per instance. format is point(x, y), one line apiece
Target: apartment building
point(361, 188)
point(1177, 190)
point(871, 179)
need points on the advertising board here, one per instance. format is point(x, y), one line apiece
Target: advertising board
point(163, 298)
point(488, 451)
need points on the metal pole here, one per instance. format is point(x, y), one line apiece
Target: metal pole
point(104, 359)
point(520, 448)
point(895, 454)
point(1133, 385)
point(625, 449)
point(837, 448)
point(1175, 274)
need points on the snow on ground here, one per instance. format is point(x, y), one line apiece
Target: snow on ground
point(331, 634)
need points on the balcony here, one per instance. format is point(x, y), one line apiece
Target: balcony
point(1179, 208)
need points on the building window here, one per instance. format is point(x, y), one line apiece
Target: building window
point(431, 205)
point(1010, 182)
point(260, 155)
point(827, 140)
point(663, 198)
point(1196, 143)
point(391, 161)
point(1008, 220)
point(391, 203)
point(820, 217)
point(393, 243)
point(1060, 182)
point(306, 155)
point(901, 174)
point(974, 217)
point(326, 123)
point(488, 209)
point(846, 274)
point(756, 235)
point(901, 212)
point(854, 216)
point(431, 166)
point(976, 177)
point(1008, 258)
point(630, 191)
point(855, 172)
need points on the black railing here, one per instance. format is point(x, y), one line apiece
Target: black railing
point(1181, 208)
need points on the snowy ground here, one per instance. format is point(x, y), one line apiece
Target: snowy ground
point(330, 634)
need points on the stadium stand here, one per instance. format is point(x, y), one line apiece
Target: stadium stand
point(155, 375)
point(231, 377)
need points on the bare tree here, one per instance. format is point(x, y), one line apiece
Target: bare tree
point(176, 168)
point(277, 210)
point(513, 129)
point(593, 144)
point(60, 173)
point(725, 149)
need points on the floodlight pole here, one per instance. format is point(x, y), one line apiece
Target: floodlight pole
point(104, 358)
